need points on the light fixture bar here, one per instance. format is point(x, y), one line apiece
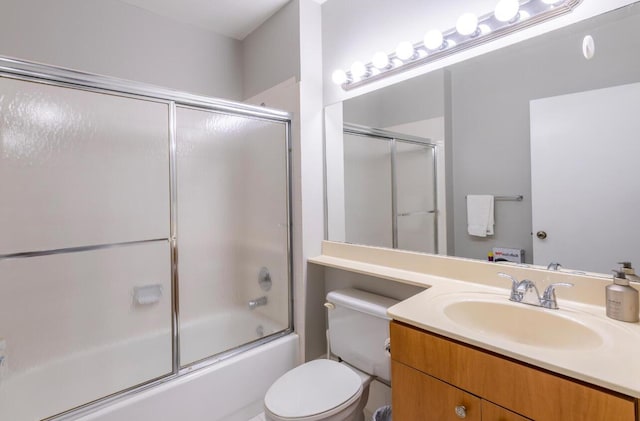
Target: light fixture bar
point(489, 28)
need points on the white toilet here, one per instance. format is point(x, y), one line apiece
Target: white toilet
point(326, 389)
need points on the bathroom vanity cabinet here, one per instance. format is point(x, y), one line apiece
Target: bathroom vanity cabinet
point(435, 378)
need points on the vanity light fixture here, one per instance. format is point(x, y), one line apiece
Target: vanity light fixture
point(467, 24)
point(434, 40)
point(507, 10)
point(380, 60)
point(405, 51)
point(508, 17)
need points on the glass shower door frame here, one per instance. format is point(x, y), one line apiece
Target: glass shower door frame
point(66, 78)
point(394, 138)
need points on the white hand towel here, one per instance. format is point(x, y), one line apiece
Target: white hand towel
point(480, 218)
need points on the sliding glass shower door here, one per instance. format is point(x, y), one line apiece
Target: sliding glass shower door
point(415, 181)
point(367, 190)
point(390, 190)
point(134, 228)
point(233, 234)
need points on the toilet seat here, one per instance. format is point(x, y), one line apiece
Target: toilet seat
point(313, 391)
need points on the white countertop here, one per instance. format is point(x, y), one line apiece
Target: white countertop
point(613, 364)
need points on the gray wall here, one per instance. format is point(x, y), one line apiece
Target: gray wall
point(490, 116)
point(116, 39)
point(271, 53)
point(417, 99)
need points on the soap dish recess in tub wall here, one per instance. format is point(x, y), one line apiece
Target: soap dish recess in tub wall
point(147, 294)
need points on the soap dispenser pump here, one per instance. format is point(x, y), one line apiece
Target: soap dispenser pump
point(629, 273)
point(622, 299)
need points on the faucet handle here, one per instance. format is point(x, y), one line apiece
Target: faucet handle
point(549, 295)
point(515, 294)
point(514, 281)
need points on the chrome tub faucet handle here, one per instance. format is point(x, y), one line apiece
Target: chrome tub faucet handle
point(262, 301)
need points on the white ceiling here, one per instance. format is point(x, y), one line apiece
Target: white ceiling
point(231, 18)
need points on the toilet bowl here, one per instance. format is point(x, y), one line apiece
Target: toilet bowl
point(337, 391)
point(318, 390)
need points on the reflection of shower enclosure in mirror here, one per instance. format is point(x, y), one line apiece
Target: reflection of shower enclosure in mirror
point(390, 190)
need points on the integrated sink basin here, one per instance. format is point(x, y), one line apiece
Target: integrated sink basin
point(495, 316)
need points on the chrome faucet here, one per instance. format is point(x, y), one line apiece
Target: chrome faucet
point(530, 294)
point(554, 266)
point(526, 292)
point(262, 301)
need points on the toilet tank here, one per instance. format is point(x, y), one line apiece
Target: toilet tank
point(359, 329)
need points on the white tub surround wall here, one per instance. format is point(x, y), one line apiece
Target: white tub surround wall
point(448, 276)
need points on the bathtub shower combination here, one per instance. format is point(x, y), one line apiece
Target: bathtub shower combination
point(145, 238)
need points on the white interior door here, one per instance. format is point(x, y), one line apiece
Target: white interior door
point(586, 179)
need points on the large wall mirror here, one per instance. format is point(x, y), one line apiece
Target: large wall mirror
point(551, 133)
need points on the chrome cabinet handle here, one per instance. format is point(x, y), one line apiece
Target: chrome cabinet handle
point(461, 411)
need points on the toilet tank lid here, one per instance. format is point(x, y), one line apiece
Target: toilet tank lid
point(312, 388)
point(362, 301)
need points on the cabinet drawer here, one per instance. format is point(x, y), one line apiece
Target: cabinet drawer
point(491, 412)
point(532, 392)
point(419, 397)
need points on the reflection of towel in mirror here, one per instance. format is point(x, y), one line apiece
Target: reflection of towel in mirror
point(480, 219)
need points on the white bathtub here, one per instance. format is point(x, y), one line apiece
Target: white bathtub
point(223, 331)
point(231, 389)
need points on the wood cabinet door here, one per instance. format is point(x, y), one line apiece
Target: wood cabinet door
point(491, 412)
point(419, 397)
point(535, 393)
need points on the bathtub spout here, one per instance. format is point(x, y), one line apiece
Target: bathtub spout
point(262, 301)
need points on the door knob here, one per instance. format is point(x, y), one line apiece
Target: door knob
point(461, 411)
point(541, 235)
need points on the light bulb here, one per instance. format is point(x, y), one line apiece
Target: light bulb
point(358, 70)
point(404, 50)
point(506, 10)
point(339, 77)
point(467, 24)
point(484, 29)
point(380, 60)
point(433, 39)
